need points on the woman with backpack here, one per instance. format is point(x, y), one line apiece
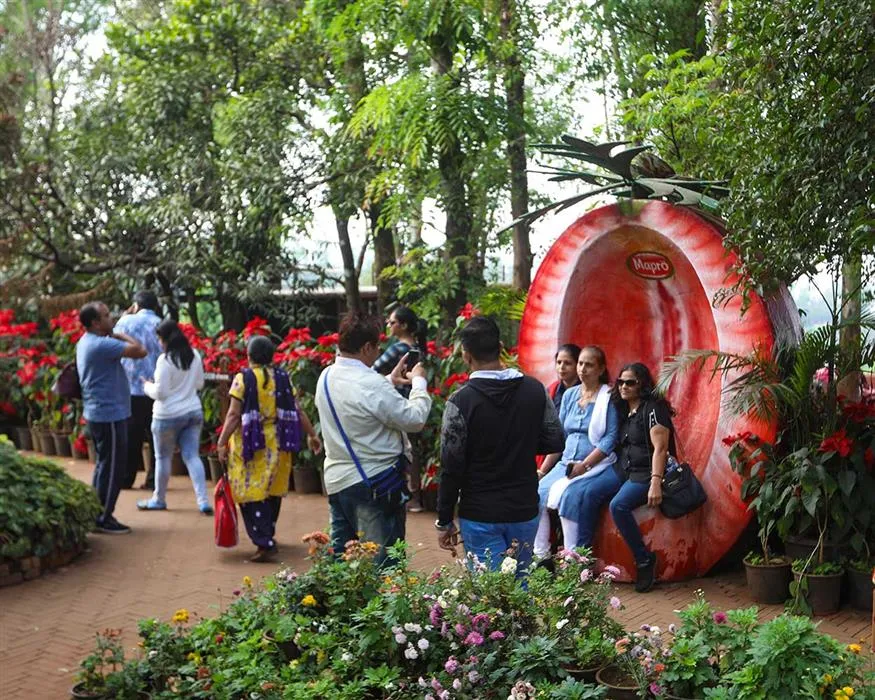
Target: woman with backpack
point(263, 426)
point(177, 415)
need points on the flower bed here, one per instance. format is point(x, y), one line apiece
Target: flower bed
point(345, 629)
point(45, 515)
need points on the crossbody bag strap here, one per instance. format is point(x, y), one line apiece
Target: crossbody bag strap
point(355, 459)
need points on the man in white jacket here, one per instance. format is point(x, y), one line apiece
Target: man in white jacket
point(364, 436)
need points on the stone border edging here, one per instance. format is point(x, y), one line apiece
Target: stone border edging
point(13, 571)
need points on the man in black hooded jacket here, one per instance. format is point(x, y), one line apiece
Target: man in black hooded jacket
point(492, 429)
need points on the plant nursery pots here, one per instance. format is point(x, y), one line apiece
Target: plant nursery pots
point(824, 592)
point(802, 547)
point(860, 589)
point(768, 584)
point(215, 468)
point(584, 675)
point(78, 691)
point(47, 442)
point(23, 437)
point(62, 444)
point(307, 480)
point(617, 683)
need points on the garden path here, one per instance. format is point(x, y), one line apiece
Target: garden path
point(169, 562)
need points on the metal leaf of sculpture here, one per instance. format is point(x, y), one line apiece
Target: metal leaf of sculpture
point(649, 177)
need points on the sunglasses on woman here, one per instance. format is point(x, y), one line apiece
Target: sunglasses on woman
point(627, 382)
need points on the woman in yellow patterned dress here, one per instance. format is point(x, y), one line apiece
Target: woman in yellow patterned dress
point(262, 429)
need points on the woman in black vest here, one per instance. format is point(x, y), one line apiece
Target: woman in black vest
point(646, 439)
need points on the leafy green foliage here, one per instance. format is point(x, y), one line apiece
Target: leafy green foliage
point(42, 508)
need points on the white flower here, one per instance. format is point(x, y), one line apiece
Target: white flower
point(411, 653)
point(400, 637)
point(457, 684)
point(561, 623)
point(422, 682)
point(454, 645)
point(346, 657)
point(396, 629)
point(655, 630)
point(422, 644)
point(455, 593)
point(568, 601)
point(442, 602)
point(153, 654)
point(508, 566)
point(413, 627)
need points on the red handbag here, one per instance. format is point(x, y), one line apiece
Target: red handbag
point(226, 514)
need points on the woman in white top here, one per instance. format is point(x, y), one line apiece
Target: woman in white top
point(177, 416)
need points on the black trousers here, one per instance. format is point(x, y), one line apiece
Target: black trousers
point(139, 430)
point(111, 446)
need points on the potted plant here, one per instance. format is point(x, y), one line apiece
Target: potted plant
point(817, 587)
point(592, 650)
point(860, 582)
point(107, 658)
point(768, 576)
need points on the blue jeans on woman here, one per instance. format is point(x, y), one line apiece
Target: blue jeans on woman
point(185, 431)
point(625, 497)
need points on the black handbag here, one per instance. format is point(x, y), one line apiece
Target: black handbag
point(682, 492)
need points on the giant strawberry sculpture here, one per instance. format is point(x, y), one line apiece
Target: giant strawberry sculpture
point(639, 278)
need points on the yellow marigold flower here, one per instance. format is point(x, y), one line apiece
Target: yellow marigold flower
point(412, 580)
point(308, 601)
point(387, 580)
point(195, 657)
point(247, 582)
point(827, 678)
point(855, 648)
point(180, 616)
point(848, 690)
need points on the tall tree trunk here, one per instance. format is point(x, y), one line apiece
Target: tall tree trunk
point(850, 336)
point(350, 278)
point(460, 221)
point(515, 94)
point(191, 307)
point(384, 255)
point(233, 312)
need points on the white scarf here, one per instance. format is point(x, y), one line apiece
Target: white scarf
point(597, 426)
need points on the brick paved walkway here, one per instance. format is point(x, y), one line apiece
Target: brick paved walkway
point(170, 562)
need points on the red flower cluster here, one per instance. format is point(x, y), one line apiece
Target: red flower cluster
point(8, 327)
point(837, 442)
point(80, 446)
point(468, 311)
point(438, 351)
point(294, 337)
point(7, 409)
point(453, 379)
point(329, 340)
point(745, 436)
point(257, 326)
point(68, 325)
point(859, 411)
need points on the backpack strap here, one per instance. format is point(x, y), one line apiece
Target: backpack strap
point(346, 441)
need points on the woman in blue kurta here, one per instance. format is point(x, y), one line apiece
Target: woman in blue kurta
point(591, 428)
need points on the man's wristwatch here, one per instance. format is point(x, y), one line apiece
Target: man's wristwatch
point(443, 527)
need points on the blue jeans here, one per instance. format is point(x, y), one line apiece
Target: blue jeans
point(489, 541)
point(184, 431)
point(631, 495)
point(357, 515)
point(625, 497)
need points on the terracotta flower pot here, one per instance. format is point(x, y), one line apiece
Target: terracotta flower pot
point(62, 444)
point(584, 675)
point(824, 592)
point(860, 589)
point(307, 480)
point(618, 684)
point(768, 584)
point(23, 437)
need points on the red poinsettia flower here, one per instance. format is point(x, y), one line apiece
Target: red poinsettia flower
point(859, 411)
point(745, 436)
point(468, 311)
point(837, 442)
point(328, 340)
point(257, 326)
point(453, 379)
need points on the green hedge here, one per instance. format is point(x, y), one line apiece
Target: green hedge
point(42, 508)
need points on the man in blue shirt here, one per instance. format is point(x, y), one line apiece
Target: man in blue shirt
point(140, 322)
point(106, 401)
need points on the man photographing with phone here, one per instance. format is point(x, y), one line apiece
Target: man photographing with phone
point(363, 421)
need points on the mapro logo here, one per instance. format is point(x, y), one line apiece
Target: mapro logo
point(650, 265)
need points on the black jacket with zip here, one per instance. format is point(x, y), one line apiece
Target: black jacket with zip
point(492, 429)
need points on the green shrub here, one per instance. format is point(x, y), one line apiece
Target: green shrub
point(42, 508)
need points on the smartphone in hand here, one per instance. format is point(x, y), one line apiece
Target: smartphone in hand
point(412, 359)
